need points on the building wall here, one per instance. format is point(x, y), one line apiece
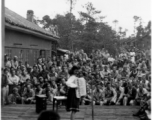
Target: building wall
point(14, 38)
point(27, 47)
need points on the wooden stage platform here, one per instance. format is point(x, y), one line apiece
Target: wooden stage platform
point(27, 112)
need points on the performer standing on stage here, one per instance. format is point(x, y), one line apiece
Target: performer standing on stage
point(72, 99)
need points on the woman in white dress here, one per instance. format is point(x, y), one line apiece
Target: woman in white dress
point(72, 99)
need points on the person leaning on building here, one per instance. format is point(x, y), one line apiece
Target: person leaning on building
point(5, 87)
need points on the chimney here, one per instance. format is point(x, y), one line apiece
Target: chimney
point(30, 15)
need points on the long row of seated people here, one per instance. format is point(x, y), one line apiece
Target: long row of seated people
point(118, 81)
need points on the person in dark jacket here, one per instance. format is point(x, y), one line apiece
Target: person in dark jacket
point(130, 94)
point(5, 87)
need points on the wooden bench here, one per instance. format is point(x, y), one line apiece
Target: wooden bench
point(56, 100)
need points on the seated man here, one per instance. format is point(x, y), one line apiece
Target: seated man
point(109, 94)
point(28, 95)
point(98, 96)
point(120, 94)
point(141, 94)
point(15, 97)
point(50, 92)
point(86, 100)
point(62, 89)
point(130, 95)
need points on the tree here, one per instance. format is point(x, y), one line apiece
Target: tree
point(143, 36)
point(96, 33)
point(91, 26)
point(115, 22)
point(136, 18)
point(88, 32)
point(120, 32)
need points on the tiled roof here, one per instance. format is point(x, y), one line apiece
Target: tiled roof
point(19, 21)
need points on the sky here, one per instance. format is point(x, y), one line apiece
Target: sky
point(121, 10)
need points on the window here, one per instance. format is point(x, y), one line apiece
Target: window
point(8, 51)
point(42, 53)
point(21, 55)
point(26, 55)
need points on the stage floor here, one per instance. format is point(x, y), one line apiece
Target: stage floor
point(27, 112)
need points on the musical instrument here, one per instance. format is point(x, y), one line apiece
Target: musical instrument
point(81, 90)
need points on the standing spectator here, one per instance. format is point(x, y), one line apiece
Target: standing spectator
point(39, 64)
point(5, 87)
point(15, 62)
point(7, 61)
point(49, 63)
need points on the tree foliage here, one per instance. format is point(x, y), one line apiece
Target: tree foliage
point(88, 31)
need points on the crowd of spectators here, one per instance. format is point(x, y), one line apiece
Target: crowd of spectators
point(122, 80)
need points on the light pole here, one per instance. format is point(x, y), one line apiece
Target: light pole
point(92, 98)
point(71, 3)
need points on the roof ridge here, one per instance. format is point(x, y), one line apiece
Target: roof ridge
point(15, 19)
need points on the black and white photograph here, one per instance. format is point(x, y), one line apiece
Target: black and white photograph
point(75, 60)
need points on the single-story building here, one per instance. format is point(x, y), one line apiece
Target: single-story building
point(25, 39)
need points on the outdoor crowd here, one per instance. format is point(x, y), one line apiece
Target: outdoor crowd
point(123, 80)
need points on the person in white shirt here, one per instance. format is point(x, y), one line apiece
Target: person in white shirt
point(15, 62)
point(105, 72)
point(24, 76)
point(72, 98)
point(7, 62)
point(132, 54)
point(120, 94)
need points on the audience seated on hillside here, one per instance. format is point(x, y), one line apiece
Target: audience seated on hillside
point(123, 80)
